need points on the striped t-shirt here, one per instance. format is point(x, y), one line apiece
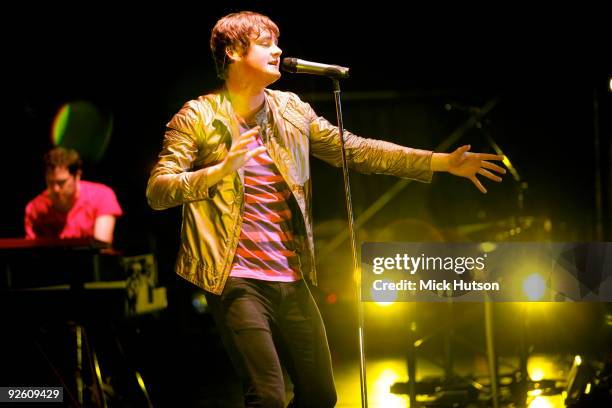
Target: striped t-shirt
point(265, 248)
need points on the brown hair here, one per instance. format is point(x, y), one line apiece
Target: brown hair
point(62, 157)
point(235, 31)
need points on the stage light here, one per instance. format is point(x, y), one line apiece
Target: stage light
point(537, 374)
point(331, 299)
point(534, 287)
point(535, 393)
point(488, 247)
point(383, 297)
point(381, 394)
point(141, 382)
point(540, 402)
point(540, 367)
point(506, 161)
point(384, 304)
point(82, 126)
point(60, 122)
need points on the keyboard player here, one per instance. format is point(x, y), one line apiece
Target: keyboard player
point(71, 207)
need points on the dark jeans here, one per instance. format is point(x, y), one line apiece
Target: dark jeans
point(265, 323)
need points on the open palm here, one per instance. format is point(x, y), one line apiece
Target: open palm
point(467, 164)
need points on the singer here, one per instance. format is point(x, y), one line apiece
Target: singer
point(237, 160)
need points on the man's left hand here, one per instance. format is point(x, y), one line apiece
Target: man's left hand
point(463, 163)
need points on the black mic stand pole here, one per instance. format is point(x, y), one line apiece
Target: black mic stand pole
point(356, 268)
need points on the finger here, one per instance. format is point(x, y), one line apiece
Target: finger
point(246, 137)
point(464, 148)
point(492, 166)
point(489, 175)
point(237, 153)
point(459, 155)
point(251, 132)
point(489, 156)
point(256, 152)
point(242, 143)
point(478, 184)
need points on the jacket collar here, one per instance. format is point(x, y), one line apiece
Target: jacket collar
point(224, 111)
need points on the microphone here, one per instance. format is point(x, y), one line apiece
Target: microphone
point(300, 66)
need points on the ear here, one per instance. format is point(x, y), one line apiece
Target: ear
point(232, 54)
point(78, 175)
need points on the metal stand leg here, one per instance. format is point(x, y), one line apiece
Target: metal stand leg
point(412, 356)
point(523, 357)
point(448, 347)
point(137, 376)
point(82, 341)
point(78, 374)
point(492, 357)
point(356, 266)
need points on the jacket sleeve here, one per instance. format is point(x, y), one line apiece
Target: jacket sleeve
point(172, 181)
point(366, 155)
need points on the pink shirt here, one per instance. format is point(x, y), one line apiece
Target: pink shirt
point(265, 248)
point(44, 221)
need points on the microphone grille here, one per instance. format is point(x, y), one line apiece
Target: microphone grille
point(289, 64)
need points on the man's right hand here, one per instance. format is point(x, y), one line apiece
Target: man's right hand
point(239, 153)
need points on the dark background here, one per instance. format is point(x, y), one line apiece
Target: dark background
point(549, 68)
point(141, 66)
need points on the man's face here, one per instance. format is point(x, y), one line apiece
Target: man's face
point(262, 59)
point(62, 187)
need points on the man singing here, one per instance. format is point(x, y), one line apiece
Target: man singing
point(237, 160)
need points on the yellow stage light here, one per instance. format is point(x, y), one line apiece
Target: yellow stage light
point(534, 286)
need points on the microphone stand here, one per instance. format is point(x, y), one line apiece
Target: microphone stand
point(356, 268)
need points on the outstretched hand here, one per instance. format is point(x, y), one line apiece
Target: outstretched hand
point(463, 163)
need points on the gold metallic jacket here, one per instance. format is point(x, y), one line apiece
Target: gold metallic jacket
point(200, 135)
